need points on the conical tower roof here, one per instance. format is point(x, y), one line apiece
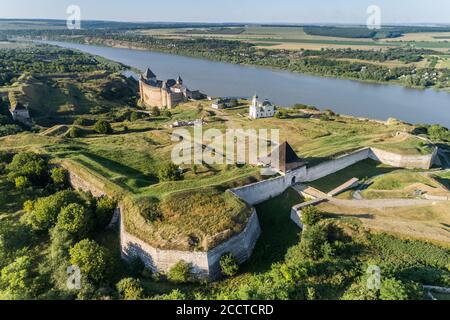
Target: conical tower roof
point(149, 74)
point(288, 159)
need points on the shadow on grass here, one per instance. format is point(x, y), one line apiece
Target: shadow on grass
point(330, 215)
point(139, 179)
point(361, 170)
point(279, 233)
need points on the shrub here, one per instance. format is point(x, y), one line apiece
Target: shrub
point(16, 279)
point(103, 127)
point(74, 132)
point(437, 132)
point(150, 208)
point(311, 216)
point(22, 183)
point(166, 113)
point(130, 289)
point(169, 172)
point(313, 240)
point(229, 265)
point(180, 272)
point(134, 116)
point(104, 211)
point(393, 289)
point(75, 219)
point(60, 177)
point(29, 165)
point(91, 258)
point(45, 210)
point(79, 122)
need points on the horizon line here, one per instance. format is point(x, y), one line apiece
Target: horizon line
point(386, 24)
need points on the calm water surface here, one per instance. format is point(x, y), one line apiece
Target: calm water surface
point(378, 101)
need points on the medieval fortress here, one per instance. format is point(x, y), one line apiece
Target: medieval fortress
point(164, 94)
point(291, 171)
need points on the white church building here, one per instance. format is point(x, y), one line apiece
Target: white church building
point(260, 110)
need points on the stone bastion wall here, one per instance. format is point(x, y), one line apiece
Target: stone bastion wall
point(204, 265)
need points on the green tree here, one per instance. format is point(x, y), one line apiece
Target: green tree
point(229, 265)
point(29, 165)
point(45, 210)
point(104, 211)
point(130, 289)
point(311, 216)
point(16, 279)
point(91, 258)
point(166, 113)
point(437, 132)
point(22, 183)
point(74, 132)
point(313, 240)
point(169, 172)
point(60, 177)
point(103, 127)
point(180, 272)
point(393, 289)
point(134, 116)
point(79, 122)
point(75, 219)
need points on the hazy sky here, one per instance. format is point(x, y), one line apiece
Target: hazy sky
point(296, 11)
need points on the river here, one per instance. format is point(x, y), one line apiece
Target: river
point(361, 99)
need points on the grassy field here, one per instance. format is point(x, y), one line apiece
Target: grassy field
point(128, 161)
point(361, 170)
point(429, 223)
point(295, 38)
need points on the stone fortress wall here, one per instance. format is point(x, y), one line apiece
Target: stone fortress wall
point(262, 191)
point(204, 265)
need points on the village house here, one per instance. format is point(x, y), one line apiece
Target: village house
point(223, 103)
point(20, 113)
point(260, 110)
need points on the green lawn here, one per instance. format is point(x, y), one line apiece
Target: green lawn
point(364, 169)
point(444, 178)
point(410, 146)
point(279, 233)
point(399, 180)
